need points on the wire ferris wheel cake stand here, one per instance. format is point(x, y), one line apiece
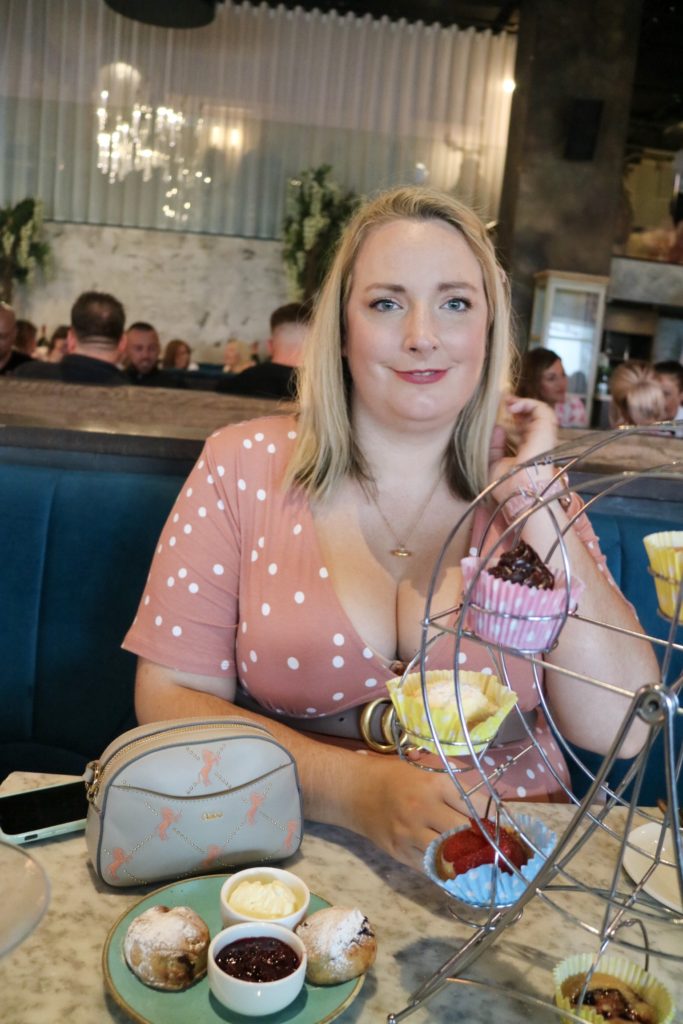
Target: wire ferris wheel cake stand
point(621, 911)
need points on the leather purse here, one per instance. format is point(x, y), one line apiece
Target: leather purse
point(190, 796)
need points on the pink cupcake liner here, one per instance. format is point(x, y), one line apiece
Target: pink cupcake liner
point(513, 615)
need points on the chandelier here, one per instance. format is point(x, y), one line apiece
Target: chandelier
point(135, 137)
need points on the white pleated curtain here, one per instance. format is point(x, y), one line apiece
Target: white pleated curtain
point(266, 93)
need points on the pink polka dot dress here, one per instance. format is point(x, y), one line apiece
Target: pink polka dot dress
point(238, 588)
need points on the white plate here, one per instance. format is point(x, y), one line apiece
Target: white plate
point(662, 884)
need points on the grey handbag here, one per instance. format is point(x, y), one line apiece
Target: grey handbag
point(190, 796)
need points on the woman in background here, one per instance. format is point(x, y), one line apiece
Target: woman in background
point(236, 356)
point(178, 356)
point(543, 378)
point(637, 395)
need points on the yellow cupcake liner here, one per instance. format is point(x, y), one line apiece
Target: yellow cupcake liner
point(667, 565)
point(647, 986)
point(406, 696)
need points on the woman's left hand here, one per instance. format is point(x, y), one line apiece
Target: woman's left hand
point(536, 429)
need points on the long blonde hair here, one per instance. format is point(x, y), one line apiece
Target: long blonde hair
point(326, 450)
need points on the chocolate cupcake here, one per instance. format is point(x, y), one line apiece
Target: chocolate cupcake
point(518, 602)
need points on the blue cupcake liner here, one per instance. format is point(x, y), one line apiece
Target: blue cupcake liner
point(476, 887)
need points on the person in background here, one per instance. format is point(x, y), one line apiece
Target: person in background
point(94, 345)
point(236, 356)
point(141, 358)
point(637, 395)
point(670, 375)
point(10, 358)
point(57, 346)
point(27, 338)
point(542, 377)
point(293, 569)
point(178, 356)
point(276, 377)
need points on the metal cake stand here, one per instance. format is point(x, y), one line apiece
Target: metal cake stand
point(623, 910)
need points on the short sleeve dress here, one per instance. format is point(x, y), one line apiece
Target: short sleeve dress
point(238, 588)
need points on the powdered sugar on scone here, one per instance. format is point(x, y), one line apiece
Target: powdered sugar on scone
point(340, 944)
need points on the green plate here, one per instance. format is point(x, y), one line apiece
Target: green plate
point(315, 1004)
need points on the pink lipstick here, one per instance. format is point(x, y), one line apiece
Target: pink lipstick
point(421, 376)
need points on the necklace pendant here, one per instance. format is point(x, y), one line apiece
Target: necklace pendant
point(401, 551)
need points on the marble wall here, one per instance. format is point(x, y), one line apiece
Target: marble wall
point(201, 288)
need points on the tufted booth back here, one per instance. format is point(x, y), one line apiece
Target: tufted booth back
point(77, 544)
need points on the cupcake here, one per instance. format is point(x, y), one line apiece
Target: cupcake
point(618, 991)
point(479, 881)
point(485, 704)
point(518, 602)
point(665, 554)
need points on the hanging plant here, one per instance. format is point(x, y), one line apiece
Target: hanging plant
point(316, 210)
point(22, 245)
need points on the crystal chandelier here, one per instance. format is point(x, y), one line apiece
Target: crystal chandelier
point(142, 141)
point(137, 137)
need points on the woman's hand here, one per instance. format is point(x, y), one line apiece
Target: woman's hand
point(535, 427)
point(401, 809)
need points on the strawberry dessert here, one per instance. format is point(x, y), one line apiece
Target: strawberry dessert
point(471, 847)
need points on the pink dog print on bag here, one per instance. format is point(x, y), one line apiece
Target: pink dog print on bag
point(211, 854)
point(168, 818)
point(256, 801)
point(120, 857)
point(292, 829)
point(210, 761)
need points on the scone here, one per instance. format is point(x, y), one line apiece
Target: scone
point(166, 947)
point(340, 945)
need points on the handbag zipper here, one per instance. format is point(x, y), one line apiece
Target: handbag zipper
point(99, 770)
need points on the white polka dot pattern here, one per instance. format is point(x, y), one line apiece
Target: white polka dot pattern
point(240, 550)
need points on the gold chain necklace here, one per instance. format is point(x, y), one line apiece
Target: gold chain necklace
point(401, 550)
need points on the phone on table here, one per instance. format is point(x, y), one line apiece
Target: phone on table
point(44, 812)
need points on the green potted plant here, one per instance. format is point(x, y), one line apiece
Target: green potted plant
point(22, 245)
point(316, 210)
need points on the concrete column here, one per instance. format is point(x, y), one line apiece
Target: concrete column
point(562, 183)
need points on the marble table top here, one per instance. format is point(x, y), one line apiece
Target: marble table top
point(55, 975)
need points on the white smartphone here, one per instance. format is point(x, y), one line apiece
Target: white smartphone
point(44, 812)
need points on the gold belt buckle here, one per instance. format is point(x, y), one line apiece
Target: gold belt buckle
point(386, 726)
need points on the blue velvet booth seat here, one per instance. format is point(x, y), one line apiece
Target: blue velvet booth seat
point(621, 539)
point(77, 547)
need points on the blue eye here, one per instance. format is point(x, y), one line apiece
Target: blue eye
point(384, 305)
point(459, 305)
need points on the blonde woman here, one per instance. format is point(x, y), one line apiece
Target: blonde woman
point(236, 356)
point(637, 395)
point(294, 567)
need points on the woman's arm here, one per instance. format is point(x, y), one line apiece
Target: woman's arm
point(397, 807)
point(585, 714)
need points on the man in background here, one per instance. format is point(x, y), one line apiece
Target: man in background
point(27, 338)
point(94, 345)
point(141, 358)
point(276, 377)
point(10, 359)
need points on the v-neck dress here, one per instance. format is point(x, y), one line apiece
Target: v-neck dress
point(238, 588)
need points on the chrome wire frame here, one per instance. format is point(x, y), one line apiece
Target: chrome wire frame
point(656, 704)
